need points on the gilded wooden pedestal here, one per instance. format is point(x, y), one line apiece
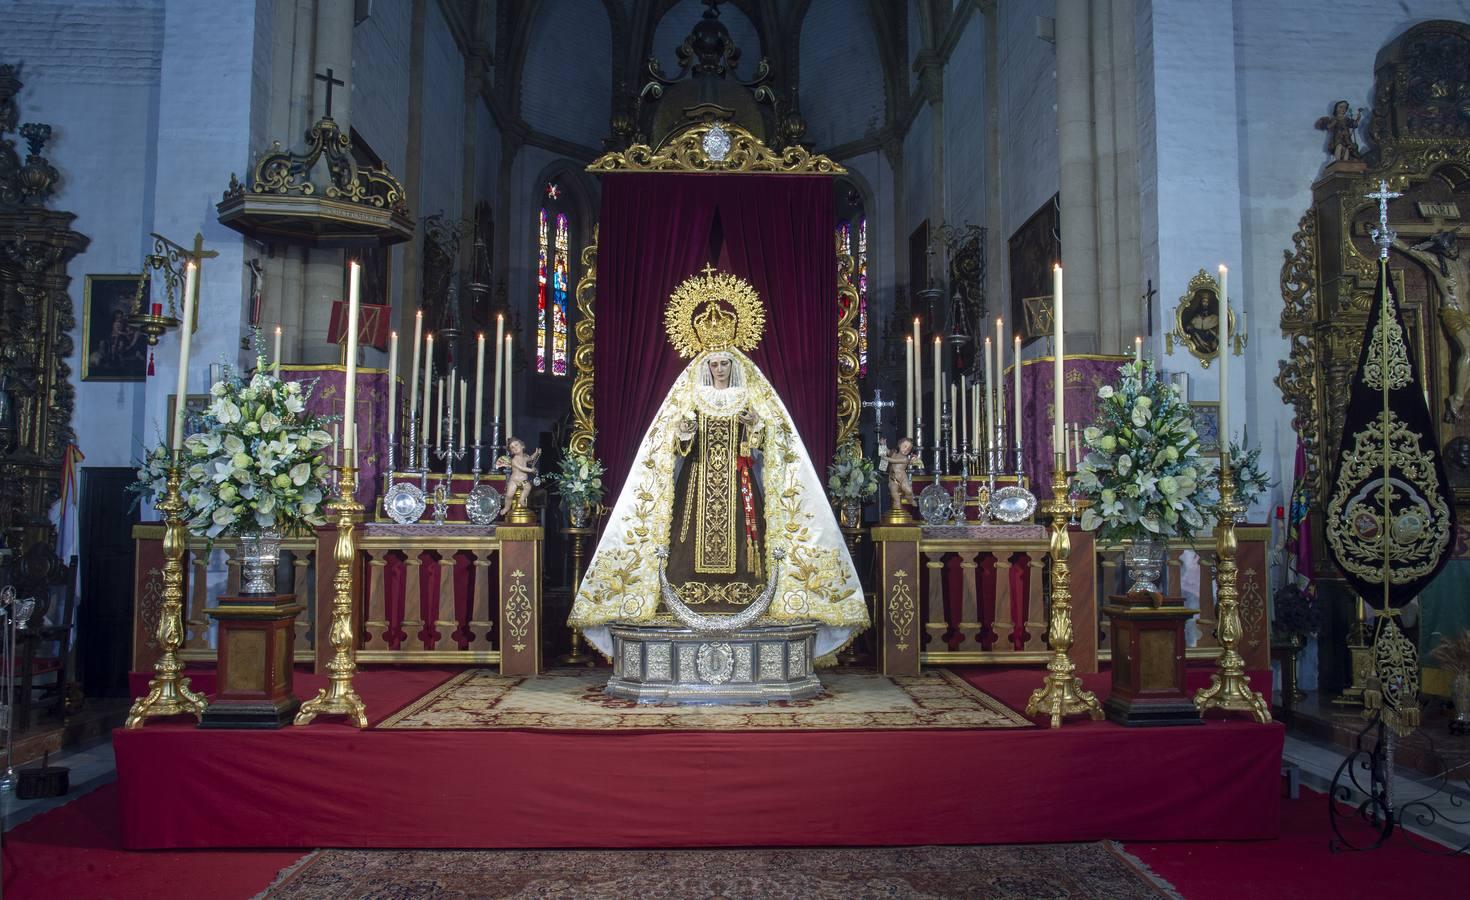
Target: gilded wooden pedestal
point(256, 636)
point(1148, 661)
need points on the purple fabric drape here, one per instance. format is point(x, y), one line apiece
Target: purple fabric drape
point(655, 230)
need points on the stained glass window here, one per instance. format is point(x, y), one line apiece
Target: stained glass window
point(541, 296)
point(560, 270)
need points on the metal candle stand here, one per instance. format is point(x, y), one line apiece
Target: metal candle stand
point(16, 613)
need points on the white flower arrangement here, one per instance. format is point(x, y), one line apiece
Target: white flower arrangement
point(579, 479)
point(152, 480)
point(851, 476)
point(256, 461)
point(1142, 471)
point(1251, 482)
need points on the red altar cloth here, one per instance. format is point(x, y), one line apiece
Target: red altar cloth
point(331, 785)
point(372, 418)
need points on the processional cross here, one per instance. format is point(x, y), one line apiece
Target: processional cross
point(1383, 235)
point(330, 81)
point(876, 405)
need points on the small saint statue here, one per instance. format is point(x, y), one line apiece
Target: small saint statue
point(522, 466)
point(898, 463)
point(1342, 131)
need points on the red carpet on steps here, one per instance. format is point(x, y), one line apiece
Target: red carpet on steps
point(75, 852)
point(332, 785)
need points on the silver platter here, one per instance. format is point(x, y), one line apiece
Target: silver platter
point(404, 503)
point(1013, 504)
point(936, 505)
point(482, 505)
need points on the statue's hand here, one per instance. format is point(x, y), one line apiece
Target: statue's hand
point(749, 418)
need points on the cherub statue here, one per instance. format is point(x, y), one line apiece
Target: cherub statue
point(1342, 131)
point(522, 468)
point(898, 462)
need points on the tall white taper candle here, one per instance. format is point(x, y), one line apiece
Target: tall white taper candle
point(509, 394)
point(392, 385)
point(908, 384)
point(413, 369)
point(186, 335)
point(428, 390)
point(1016, 383)
point(1224, 340)
point(480, 388)
point(992, 438)
point(1058, 376)
point(464, 390)
point(276, 366)
point(499, 361)
point(938, 396)
point(349, 391)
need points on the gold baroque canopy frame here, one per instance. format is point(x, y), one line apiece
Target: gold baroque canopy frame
point(714, 147)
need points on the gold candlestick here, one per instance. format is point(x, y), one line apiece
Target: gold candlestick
point(1062, 694)
point(339, 697)
point(168, 692)
point(1229, 689)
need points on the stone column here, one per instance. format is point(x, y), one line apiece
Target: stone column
point(1125, 136)
point(931, 82)
point(1110, 335)
point(1078, 179)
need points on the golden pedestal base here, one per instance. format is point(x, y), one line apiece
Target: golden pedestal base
point(1229, 689)
point(168, 691)
point(339, 697)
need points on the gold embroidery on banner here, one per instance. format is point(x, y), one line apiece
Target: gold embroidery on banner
point(714, 535)
point(1396, 367)
point(1421, 524)
point(1252, 606)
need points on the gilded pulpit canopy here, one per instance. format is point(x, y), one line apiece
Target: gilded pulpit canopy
point(721, 488)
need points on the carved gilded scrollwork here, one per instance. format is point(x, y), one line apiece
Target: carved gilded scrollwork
point(713, 147)
point(1299, 275)
point(584, 429)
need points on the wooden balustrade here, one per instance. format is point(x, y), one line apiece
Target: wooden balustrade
point(1190, 573)
point(426, 593)
point(968, 594)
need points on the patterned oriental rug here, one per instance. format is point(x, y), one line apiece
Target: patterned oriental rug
point(572, 700)
point(1101, 870)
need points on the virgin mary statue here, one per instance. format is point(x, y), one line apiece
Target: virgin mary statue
point(722, 516)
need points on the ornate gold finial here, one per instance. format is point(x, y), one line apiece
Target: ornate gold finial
point(714, 311)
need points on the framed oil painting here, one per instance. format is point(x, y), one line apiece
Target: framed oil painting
point(194, 407)
point(1207, 423)
point(112, 350)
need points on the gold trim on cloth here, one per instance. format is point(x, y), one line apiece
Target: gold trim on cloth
point(584, 426)
point(685, 151)
point(714, 534)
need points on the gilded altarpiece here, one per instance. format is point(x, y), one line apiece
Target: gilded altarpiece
point(1419, 143)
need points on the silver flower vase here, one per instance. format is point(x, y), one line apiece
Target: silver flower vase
point(1144, 560)
point(260, 551)
point(579, 512)
point(850, 513)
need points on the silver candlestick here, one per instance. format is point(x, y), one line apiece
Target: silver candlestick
point(961, 493)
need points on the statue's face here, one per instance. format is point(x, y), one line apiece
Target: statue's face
point(719, 370)
point(516, 447)
point(1458, 452)
point(1341, 108)
point(905, 446)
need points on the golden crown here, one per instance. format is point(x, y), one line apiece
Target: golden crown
point(714, 311)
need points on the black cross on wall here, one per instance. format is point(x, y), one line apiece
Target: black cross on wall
point(330, 81)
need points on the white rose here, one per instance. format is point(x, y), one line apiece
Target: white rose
point(1105, 392)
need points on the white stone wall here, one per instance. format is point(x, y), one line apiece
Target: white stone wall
point(565, 86)
point(842, 78)
point(964, 127)
point(1027, 117)
point(92, 71)
point(442, 148)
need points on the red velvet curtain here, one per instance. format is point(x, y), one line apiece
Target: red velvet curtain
point(655, 230)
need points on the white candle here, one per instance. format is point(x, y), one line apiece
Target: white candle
point(509, 408)
point(277, 367)
point(464, 389)
point(392, 385)
point(977, 426)
point(1138, 350)
point(938, 394)
point(954, 418)
point(908, 385)
point(499, 358)
point(336, 444)
point(1016, 379)
point(480, 388)
point(962, 408)
point(428, 389)
point(1224, 340)
point(1058, 439)
point(993, 436)
point(452, 385)
point(439, 416)
point(997, 386)
point(349, 396)
point(186, 334)
point(413, 369)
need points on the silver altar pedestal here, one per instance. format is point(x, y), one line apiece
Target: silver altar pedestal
point(672, 663)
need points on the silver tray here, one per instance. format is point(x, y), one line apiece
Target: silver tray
point(1013, 504)
point(404, 503)
point(936, 505)
point(482, 505)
